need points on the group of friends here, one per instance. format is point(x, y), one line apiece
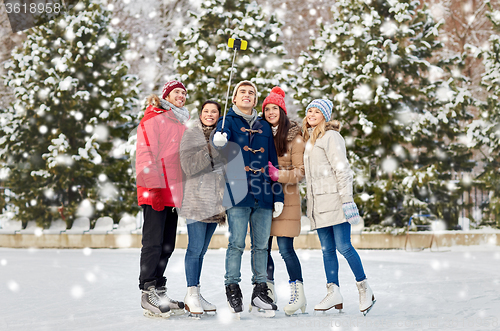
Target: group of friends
point(243, 169)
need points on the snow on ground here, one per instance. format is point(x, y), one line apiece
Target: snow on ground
point(50, 289)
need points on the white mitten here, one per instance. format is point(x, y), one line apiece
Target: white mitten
point(278, 209)
point(220, 139)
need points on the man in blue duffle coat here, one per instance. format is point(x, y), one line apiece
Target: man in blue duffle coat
point(253, 136)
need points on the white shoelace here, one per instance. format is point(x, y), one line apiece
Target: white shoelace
point(362, 294)
point(325, 299)
point(153, 299)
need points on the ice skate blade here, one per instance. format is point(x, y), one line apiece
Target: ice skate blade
point(210, 313)
point(262, 312)
point(295, 312)
point(150, 314)
point(328, 312)
point(369, 308)
point(177, 312)
point(194, 316)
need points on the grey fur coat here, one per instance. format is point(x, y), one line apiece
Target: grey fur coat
point(204, 181)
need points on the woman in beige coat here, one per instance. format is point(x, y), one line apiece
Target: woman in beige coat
point(330, 205)
point(290, 149)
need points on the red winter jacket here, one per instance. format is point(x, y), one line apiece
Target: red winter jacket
point(157, 156)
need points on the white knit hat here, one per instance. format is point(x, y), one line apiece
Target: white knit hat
point(246, 82)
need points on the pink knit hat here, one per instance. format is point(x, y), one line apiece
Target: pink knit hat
point(277, 97)
point(169, 86)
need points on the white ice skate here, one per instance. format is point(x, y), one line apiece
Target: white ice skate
point(297, 299)
point(366, 297)
point(272, 295)
point(333, 299)
point(208, 308)
point(192, 302)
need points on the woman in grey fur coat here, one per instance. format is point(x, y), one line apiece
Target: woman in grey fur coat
point(202, 201)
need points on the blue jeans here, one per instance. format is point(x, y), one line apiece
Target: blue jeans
point(199, 235)
point(285, 245)
point(238, 219)
point(339, 237)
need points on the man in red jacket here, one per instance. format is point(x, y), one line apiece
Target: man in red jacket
point(159, 189)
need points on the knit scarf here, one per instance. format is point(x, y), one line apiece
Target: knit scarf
point(249, 118)
point(207, 130)
point(182, 114)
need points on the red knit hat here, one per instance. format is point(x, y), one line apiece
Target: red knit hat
point(277, 97)
point(169, 86)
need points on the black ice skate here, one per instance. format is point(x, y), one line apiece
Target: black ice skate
point(176, 307)
point(234, 298)
point(151, 303)
point(261, 300)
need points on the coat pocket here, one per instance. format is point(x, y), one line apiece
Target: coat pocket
point(324, 203)
point(325, 185)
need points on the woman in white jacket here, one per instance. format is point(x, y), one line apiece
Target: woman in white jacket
point(330, 205)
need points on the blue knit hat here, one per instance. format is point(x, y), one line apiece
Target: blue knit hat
point(324, 105)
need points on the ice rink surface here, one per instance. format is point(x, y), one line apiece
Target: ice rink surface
point(97, 289)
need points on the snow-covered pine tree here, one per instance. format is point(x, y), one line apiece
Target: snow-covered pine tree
point(64, 139)
point(203, 59)
point(485, 131)
point(402, 110)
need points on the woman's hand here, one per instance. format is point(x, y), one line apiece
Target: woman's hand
point(273, 172)
point(351, 212)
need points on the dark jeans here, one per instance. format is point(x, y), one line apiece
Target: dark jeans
point(338, 237)
point(158, 242)
point(285, 245)
point(199, 235)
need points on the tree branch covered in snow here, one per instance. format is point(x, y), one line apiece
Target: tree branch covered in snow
point(75, 104)
point(403, 109)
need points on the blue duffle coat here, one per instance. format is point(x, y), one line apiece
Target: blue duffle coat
point(256, 146)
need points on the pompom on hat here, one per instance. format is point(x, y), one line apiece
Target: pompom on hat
point(277, 97)
point(325, 106)
point(169, 86)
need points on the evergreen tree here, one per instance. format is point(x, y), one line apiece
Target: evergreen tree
point(65, 138)
point(485, 131)
point(403, 111)
point(203, 59)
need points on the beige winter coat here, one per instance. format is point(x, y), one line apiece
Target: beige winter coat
point(204, 181)
point(329, 179)
point(291, 172)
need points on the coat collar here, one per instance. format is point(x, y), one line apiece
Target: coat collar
point(257, 125)
point(294, 130)
point(331, 127)
point(153, 110)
